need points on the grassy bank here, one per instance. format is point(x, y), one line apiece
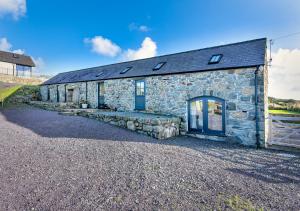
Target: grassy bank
point(7, 92)
point(284, 112)
point(18, 94)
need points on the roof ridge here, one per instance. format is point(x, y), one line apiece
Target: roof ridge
point(9, 52)
point(229, 44)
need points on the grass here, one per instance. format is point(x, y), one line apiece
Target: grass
point(236, 203)
point(6, 93)
point(284, 112)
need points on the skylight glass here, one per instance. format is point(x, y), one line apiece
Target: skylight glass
point(158, 66)
point(99, 74)
point(125, 70)
point(215, 59)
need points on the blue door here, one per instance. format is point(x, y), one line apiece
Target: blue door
point(140, 94)
point(207, 115)
point(101, 92)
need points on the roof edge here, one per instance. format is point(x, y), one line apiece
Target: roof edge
point(175, 73)
point(229, 44)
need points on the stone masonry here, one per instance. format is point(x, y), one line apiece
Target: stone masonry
point(169, 94)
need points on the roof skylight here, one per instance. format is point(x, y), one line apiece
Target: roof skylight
point(99, 74)
point(125, 70)
point(215, 59)
point(159, 65)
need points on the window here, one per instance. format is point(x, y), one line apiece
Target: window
point(215, 59)
point(23, 68)
point(101, 89)
point(99, 74)
point(125, 70)
point(140, 88)
point(159, 65)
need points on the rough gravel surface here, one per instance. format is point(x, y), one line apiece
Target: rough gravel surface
point(54, 162)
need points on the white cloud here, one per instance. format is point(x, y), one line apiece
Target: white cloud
point(39, 65)
point(284, 74)
point(136, 27)
point(16, 8)
point(144, 28)
point(147, 49)
point(4, 44)
point(103, 46)
point(19, 51)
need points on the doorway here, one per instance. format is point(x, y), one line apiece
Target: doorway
point(70, 95)
point(101, 92)
point(140, 94)
point(206, 115)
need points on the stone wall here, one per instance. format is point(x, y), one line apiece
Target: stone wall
point(44, 93)
point(160, 127)
point(92, 94)
point(120, 94)
point(21, 80)
point(169, 94)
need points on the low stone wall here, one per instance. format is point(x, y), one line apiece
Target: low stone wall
point(156, 126)
point(53, 106)
point(20, 80)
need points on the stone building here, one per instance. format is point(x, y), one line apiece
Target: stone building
point(219, 92)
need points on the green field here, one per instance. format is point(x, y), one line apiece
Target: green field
point(284, 112)
point(7, 92)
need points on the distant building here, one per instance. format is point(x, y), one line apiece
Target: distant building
point(218, 91)
point(15, 64)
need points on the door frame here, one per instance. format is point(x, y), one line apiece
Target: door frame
point(136, 96)
point(206, 130)
point(99, 88)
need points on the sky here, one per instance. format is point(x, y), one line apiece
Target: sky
point(69, 35)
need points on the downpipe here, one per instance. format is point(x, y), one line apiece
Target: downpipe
point(256, 108)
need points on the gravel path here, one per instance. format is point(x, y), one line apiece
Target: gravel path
point(54, 162)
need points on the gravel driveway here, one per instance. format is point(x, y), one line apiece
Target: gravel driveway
point(54, 162)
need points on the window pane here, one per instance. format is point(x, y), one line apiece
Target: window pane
point(142, 88)
point(137, 88)
point(196, 118)
point(102, 89)
point(214, 115)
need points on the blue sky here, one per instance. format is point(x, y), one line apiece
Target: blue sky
point(67, 35)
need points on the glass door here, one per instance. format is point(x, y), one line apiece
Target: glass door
point(196, 115)
point(140, 95)
point(101, 92)
point(207, 115)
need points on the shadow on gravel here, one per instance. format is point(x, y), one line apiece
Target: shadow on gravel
point(266, 165)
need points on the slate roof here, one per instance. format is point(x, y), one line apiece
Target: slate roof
point(16, 59)
point(243, 54)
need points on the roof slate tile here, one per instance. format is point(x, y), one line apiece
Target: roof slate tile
point(243, 54)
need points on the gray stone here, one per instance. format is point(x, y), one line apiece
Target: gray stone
point(147, 128)
point(245, 98)
point(231, 106)
point(130, 125)
point(170, 94)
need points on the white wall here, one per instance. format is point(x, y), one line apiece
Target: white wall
point(7, 68)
